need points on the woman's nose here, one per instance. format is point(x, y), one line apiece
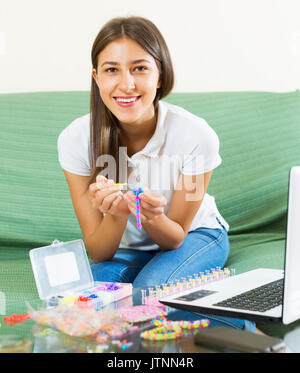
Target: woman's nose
point(127, 81)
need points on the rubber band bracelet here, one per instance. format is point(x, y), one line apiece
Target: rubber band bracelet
point(137, 191)
point(202, 323)
point(162, 333)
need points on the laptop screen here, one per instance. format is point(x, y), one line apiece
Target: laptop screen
point(291, 294)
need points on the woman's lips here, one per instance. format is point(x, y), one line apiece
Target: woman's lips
point(127, 101)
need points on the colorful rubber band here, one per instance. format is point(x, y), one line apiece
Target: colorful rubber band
point(136, 192)
point(183, 324)
point(162, 333)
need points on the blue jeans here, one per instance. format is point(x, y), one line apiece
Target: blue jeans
point(202, 249)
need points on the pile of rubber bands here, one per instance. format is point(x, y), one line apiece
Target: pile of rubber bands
point(76, 321)
point(104, 324)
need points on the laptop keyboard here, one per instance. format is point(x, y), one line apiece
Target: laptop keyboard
point(260, 299)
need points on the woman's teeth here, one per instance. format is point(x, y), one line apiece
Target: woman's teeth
point(126, 99)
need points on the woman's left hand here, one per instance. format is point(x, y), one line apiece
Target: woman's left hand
point(151, 205)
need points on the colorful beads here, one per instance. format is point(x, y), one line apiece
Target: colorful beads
point(84, 299)
point(95, 297)
point(123, 345)
point(73, 320)
point(102, 337)
point(116, 329)
point(109, 286)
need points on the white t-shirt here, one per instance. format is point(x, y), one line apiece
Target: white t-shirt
point(182, 143)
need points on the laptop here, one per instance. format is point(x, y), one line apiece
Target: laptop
point(261, 294)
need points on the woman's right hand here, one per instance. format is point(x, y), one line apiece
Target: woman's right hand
point(107, 197)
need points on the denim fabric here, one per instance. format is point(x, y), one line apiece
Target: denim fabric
point(203, 248)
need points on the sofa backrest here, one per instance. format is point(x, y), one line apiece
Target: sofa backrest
point(259, 135)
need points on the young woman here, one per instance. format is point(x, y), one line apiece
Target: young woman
point(171, 152)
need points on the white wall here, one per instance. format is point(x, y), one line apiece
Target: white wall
point(216, 45)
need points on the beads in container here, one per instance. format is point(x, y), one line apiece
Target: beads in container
point(73, 320)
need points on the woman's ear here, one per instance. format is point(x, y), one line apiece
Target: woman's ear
point(94, 74)
point(158, 83)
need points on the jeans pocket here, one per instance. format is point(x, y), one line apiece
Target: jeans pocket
point(214, 233)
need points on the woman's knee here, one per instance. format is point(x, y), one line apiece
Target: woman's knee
point(111, 271)
point(145, 281)
point(124, 267)
point(203, 250)
point(105, 271)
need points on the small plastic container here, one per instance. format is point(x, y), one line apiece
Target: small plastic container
point(63, 275)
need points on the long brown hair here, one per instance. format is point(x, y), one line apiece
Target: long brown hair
point(104, 126)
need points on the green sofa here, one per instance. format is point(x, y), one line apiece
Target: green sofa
point(260, 140)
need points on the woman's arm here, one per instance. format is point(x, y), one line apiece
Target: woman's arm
point(105, 240)
point(101, 233)
point(166, 233)
point(169, 231)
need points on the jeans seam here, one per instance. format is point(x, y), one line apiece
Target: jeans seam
point(202, 249)
point(124, 269)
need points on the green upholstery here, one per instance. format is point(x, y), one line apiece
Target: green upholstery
point(260, 140)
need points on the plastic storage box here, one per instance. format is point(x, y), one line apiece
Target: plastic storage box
point(63, 275)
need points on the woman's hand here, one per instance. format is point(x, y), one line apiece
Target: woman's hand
point(107, 198)
point(151, 205)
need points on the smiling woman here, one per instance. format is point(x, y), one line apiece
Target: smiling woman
point(183, 232)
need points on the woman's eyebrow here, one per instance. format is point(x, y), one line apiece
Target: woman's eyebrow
point(114, 63)
point(141, 60)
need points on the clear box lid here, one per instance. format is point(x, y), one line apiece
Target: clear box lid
point(61, 268)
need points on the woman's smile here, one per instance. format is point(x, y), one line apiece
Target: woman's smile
point(126, 101)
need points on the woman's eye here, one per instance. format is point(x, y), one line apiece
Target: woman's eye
point(111, 69)
point(141, 68)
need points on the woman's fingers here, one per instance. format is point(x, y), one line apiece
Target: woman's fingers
point(114, 205)
point(147, 211)
point(132, 209)
point(107, 200)
point(154, 200)
point(92, 190)
point(101, 179)
point(105, 191)
point(149, 203)
point(100, 183)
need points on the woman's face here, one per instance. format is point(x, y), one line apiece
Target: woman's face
point(127, 77)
